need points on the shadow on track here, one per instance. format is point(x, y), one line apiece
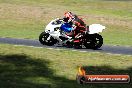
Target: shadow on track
point(22, 71)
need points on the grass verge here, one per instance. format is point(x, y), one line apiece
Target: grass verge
point(26, 67)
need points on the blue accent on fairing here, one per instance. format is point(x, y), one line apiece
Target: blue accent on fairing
point(66, 27)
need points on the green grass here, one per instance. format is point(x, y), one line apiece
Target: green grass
point(20, 29)
point(27, 18)
point(26, 67)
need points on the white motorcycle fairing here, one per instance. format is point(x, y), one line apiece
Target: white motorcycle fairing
point(53, 31)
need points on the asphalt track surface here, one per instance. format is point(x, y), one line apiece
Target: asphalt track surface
point(36, 43)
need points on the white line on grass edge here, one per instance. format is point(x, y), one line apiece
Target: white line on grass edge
point(65, 49)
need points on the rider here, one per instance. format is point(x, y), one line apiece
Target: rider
point(77, 23)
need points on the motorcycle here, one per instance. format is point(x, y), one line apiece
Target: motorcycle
point(55, 33)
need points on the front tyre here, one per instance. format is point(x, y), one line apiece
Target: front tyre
point(43, 38)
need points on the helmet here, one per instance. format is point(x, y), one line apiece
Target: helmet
point(68, 16)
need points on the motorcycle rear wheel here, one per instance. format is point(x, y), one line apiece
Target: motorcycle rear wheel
point(93, 41)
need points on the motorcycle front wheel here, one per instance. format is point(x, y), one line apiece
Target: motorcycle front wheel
point(43, 38)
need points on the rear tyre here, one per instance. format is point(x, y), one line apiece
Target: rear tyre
point(93, 41)
point(43, 39)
